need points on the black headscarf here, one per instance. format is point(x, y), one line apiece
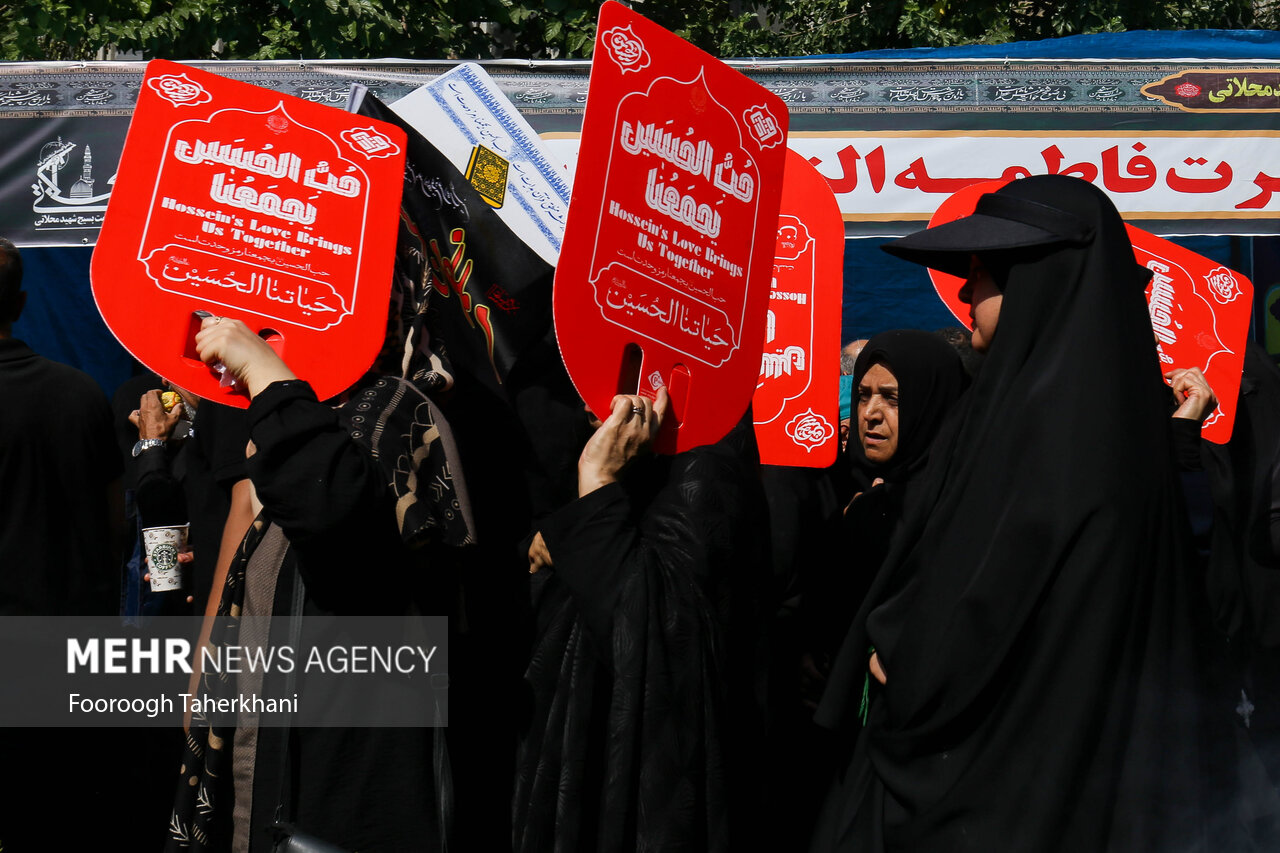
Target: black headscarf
point(930, 380)
point(1033, 614)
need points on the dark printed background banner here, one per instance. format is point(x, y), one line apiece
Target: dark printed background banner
point(1178, 146)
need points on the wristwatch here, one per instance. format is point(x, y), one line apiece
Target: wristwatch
point(147, 444)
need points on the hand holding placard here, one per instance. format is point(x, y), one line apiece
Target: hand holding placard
point(238, 201)
point(245, 355)
point(662, 280)
point(1200, 310)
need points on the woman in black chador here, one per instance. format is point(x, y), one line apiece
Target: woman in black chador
point(1026, 660)
point(904, 383)
point(642, 724)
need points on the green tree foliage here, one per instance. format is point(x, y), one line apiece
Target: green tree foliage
point(565, 29)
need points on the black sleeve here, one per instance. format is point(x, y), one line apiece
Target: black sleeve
point(1274, 513)
point(664, 567)
point(161, 500)
point(591, 541)
point(311, 477)
point(1186, 444)
point(223, 432)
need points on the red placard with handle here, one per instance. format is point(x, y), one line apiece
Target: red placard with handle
point(796, 404)
point(663, 274)
point(242, 202)
point(1200, 309)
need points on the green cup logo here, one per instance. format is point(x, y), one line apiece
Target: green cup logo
point(164, 558)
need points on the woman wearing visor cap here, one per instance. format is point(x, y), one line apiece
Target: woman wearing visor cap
point(1026, 662)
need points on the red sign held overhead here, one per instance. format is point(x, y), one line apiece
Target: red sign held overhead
point(671, 229)
point(1200, 313)
point(796, 404)
point(1200, 310)
point(246, 203)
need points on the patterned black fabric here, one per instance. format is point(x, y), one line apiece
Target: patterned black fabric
point(201, 819)
point(483, 296)
point(414, 445)
point(643, 704)
point(395, 424)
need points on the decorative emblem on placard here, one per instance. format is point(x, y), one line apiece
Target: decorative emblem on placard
point(370, 142)
point(1187, 90)
point(626, 49)
point(764, 127)
point(793, 239)
point(487, 172)
point(810, 429)
point(1223, 285)
point(180, 90)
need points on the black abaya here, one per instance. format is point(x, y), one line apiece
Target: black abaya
point(1244, 475)
point(641, 679)
point(1034, 616)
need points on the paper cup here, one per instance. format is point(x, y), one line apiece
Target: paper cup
point(162, 545)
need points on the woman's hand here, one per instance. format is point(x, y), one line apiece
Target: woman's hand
point(877, 671)
point(539, 555)
point(878, 481)
point(630, 429)
point(247, 357)
point(1196, 399)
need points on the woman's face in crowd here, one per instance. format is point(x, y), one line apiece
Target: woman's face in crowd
point(983, 298)
point(878, 414)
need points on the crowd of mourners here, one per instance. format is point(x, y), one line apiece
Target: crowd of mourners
point(1027, 609)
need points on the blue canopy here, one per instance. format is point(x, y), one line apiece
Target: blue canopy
point(1138, 44)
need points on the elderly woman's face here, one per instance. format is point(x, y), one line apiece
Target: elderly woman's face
point(878, 414)
point(984, 299)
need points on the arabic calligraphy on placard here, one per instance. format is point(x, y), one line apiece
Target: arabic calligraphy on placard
point(694, 157)
point(260, 289)
point(692, 188)
point(260, 210)
point(663, 313)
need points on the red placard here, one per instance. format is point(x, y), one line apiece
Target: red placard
point(663, 273)
point(250, 204)
point(796, 404)
point(1200, 310)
